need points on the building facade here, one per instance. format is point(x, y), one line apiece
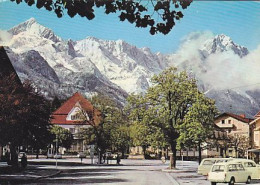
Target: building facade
point(74, 115)
point(255, 129)
point(236, 128)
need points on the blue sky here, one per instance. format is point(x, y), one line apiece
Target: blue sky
point(238, 19)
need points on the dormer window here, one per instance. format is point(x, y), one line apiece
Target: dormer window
point(223, 121)
point(75, 116)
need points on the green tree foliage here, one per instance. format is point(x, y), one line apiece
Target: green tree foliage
point(142, 132)
point(62, 136)
point(24, 116)
point(170, 99)
point(56, 103)
point(110, 132)
point(170, 103)
point(140, 13)
point(198, 126)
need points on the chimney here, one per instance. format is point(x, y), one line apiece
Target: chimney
point(242, 115)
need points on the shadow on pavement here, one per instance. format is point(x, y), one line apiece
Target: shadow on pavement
point(74, 176)
point(82, 176)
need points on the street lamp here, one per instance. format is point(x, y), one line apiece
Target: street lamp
point(56, 150)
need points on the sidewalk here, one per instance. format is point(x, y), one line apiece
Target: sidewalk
point(30, 174)
point(186, 173)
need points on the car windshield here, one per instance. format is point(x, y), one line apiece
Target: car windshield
point(208, 162)
point(218, 168)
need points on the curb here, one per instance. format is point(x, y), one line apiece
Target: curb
point(174, 182)
point(47, 176)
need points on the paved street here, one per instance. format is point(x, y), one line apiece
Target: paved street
point(130, 172)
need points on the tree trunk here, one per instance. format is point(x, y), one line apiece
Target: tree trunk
point(144, 151)
point(199, 153)
point(173, 161)
point(14, 156)
point(123, 153)
point(37, 153)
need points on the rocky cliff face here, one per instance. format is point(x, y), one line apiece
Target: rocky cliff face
point(60, 67)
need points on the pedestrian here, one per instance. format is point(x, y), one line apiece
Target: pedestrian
point(104, 158)
point(24, 161)
point(117, 159)
point(7, 155)
point(163, 159)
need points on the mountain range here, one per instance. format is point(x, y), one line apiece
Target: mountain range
point(61, 67)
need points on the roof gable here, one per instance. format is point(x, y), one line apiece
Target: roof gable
point(235, 116)
point(67, 106)
point(257, 115)
point(60, 115)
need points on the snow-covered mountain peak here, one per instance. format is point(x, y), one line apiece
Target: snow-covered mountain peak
point(222, 43)
point(30, 21)
point(32, 27)
point(223, 40)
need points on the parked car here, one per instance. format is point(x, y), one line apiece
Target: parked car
point(57, 156)
point(229, 172)
point(81, 155)
point(21, 154)
point(251, 166)
point(207, 163)
point(50, 153)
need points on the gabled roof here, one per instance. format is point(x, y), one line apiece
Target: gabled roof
point(257, 115)
point(238, 117)
point(59, 116)
point(6, 67)
point(254, 121)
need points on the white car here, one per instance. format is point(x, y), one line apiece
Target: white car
point(81, 155)
point(57, 156)
point(207, 163)
point(251, 166)
point(229, 172)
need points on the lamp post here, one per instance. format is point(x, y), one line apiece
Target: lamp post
point(56, 150)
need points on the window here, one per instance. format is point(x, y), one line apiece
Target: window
point(229, 121)
point(218, 168)
point(72, 130)
point(256, 136)
point(240, 167)
point(75, 116)
point(208, 162)
point(232, 167)
point(223, 121)
point(249, 164)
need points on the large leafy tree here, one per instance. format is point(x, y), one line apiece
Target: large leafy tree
point(198, 125)
point(172, 104)
point(110, 130)
point(142, 132)
point(24, 116)
point(170, 98)
point(140, 13)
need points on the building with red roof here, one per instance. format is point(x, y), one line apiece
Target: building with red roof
point(255, 130)
point(74, 114)
point(234, 125)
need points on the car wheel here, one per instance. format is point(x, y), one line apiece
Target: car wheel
point(232, 181)
point(213, 183)
point(248, 180)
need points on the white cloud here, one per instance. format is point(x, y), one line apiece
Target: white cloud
point(224, 70)
point(5, 37)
